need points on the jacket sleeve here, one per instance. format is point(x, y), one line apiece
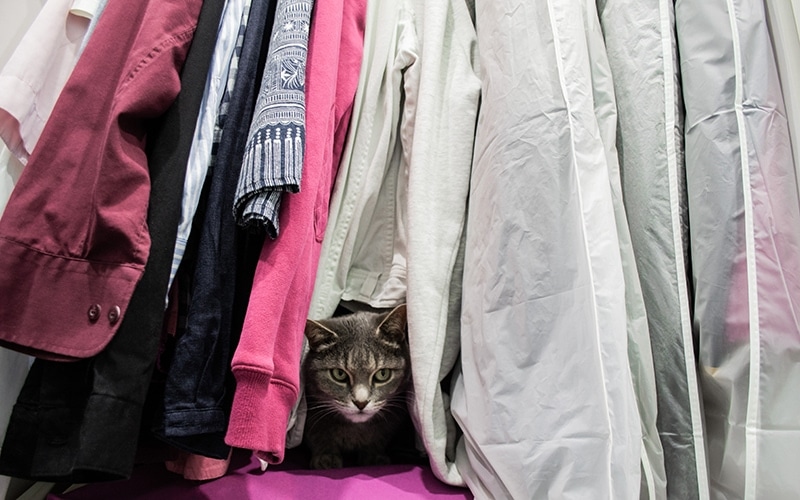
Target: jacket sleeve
point(73, 237)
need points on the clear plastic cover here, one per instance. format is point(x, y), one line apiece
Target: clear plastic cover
point(640, 40)
point(744, 220)
point(545, 396)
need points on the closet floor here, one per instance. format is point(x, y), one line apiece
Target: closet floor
point(289, 480)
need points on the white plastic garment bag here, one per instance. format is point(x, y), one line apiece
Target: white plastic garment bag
point(640, 353)
point(783, 19)
point(640, 38)
point(544, 396)
point(744, 218)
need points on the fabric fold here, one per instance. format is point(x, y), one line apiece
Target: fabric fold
point(544, 316)
point(642, 52)
point(266, 363)
point(273, 159)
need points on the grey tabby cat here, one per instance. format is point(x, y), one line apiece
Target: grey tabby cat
point(357, 374)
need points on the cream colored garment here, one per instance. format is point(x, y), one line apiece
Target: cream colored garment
point(398, 207)
point(439, 175)
point(86, 8)
point(364, 250)
point(33, 77)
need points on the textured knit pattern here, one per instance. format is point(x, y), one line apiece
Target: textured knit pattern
point(273, 160)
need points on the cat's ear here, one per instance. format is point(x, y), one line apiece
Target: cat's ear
point(319, 336)
point(393, 326)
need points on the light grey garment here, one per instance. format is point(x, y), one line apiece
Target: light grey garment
point(639, 36)
point(783, 19)
point(640, 354)
point(544, 396)
point(397, 211)
point(744, 217)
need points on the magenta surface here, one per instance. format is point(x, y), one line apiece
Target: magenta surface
point(286, 481)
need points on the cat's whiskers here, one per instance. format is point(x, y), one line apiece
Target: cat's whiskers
point(356, 372)
point(318, 412)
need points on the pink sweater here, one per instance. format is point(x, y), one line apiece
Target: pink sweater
point(266, 363)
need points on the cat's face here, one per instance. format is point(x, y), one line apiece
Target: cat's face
point(358, 364)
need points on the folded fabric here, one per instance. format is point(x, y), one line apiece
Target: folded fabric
point(273, 160)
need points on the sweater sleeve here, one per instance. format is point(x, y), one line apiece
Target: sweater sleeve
point(266, 363)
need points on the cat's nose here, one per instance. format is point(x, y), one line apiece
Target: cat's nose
point(360, 404)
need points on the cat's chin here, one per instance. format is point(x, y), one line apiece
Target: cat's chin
point(358, 418)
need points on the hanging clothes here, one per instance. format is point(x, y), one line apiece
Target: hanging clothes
point(79, 421)
point(416, 106)
point(221, 76)
point(198, 386)
point(49, 232)
point(267, 359)
point(273, 164)
point(16, 19)
point(445, 98)
point(640, 353)
point(364, 248)
point(640, 37)
point(92, 10)
point(744, 217)
point(543, 309)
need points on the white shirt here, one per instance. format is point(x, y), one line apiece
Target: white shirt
point(33, 77)
point(398, 208)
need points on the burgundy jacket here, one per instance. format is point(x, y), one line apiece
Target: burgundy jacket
point(74, 237)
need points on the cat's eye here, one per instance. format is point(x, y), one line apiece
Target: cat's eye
point(339, 375)
point(383, 375)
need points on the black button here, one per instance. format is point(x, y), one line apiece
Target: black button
point(113, 314)
point(94, 312)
